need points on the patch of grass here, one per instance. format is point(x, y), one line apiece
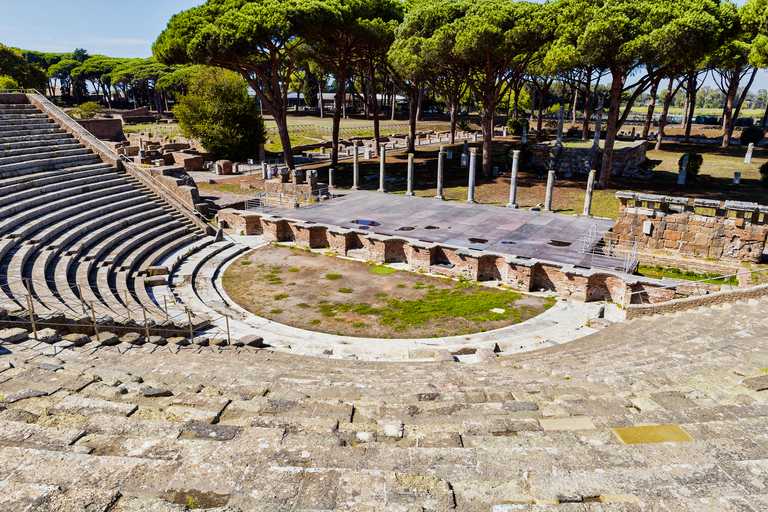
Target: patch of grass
point(333, 277)
point(294, 269)
point(345, 290)
point(358, 325)
point(276, 311)
point(245, 262)
point(470, 304)
point(401, 286)
point(659, 271)
point(383, 270)
point(281, 296)
point(315, 321)
point(303, 305)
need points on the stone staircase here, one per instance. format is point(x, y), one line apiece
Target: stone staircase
point(664, 413)
point(76, 233)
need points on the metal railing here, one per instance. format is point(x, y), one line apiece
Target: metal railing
point(598, 246)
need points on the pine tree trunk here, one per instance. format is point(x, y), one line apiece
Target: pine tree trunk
point(651, 108)
point(611, 129)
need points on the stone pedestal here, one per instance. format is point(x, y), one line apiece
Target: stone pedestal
point(464, 159)
point(524, 140)
point(410, 175)
point(513, 180)
point(748, 156)
point(312, 179)
point(264, 171)
point(223, 167)
point(367, 154)
point(440, 174)
point(472, 171)
point(550, 188)
point(683, 169)
point(331, 183)
point(474, 137)
point(588, 198)
point(736, 178)
point(284, 175)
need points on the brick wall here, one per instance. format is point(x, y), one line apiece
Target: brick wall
point(519, 273)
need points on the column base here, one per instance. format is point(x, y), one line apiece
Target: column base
point(512, 205)
point(381, 190)
point(470, 201)
point(409, 193)
point(440, 198)
point(354, 188)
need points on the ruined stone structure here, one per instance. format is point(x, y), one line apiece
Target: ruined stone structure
point(724, 230)
point(581, 160)
point(517, 272)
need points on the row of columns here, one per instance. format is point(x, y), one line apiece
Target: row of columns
point(472, 176)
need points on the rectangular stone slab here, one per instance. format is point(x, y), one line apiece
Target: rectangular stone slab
point(91, 407)
point(757, 383)
point(652, 434)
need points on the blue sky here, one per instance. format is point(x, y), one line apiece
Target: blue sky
point(117, 29)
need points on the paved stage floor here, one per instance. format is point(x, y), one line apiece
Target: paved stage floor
point(482, 227)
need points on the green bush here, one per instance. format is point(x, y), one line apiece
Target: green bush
point(694, 165)
point(753, 134)
point(516, 126)
point(6, 82)
point(764, 173)
point(87, 110)
point(462, 125)
point(526, 155)
point(218, 111)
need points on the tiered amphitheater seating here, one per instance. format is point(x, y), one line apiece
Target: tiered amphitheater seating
point(131, 430)
point(74, 231)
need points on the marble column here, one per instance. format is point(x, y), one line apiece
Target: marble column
point(356, 167)
point(472, 171)
point(382, 170)
point(440, 174)
point(550, 188)
point(410, 175)
point(588, 197)
point(513, 180)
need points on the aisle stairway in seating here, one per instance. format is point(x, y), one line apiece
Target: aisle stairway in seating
point(568, 428)
point(74, 231)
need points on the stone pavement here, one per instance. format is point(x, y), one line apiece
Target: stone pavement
point(656, 414)
point(482, 227)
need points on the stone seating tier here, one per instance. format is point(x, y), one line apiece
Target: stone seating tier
point(136, 427)
point(73, 228)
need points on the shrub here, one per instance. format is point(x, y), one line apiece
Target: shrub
point(526, 155)
point(764, 173)
point(462, 125)
point(515, 126)
point(87, 110)
point(694, 165)
point(753, 134)
point(6, 82)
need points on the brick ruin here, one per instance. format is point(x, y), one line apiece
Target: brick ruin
point(723, 230)
point(520, 273)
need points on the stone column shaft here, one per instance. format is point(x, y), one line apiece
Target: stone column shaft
point(410, 175)
point(550, 188)
point(440, 174)
point(588, 197)
point(382, 169)
point(513, 180)
point(472, 171)
point(356, 168)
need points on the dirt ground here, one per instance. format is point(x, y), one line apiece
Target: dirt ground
point(334, 295)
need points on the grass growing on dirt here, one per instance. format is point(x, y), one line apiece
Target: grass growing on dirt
point(658, 271)
point(333, 277)
point(383, 270)
point(467, 301)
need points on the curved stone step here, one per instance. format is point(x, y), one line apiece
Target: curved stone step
point(11, 163)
